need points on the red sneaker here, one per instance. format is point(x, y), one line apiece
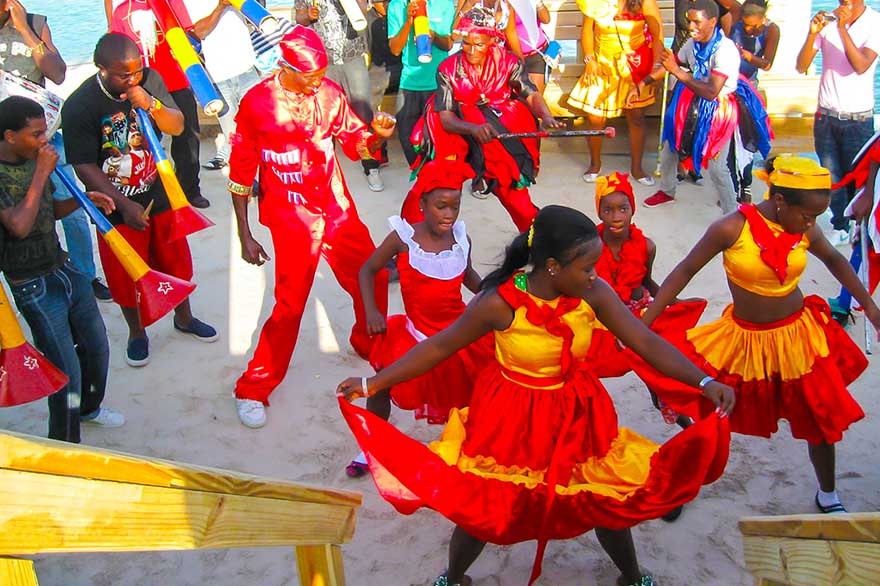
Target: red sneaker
point(658, 199)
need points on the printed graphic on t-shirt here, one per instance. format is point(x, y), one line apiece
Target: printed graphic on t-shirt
point(128, 162)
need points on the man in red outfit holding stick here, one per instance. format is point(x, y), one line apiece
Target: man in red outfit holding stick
point(286, 129)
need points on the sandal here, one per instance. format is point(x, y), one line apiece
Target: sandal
point(215, 164)
point(645, 580)
point(444, 581)
point(673, 515)
point(356, 469)
point(830, 509)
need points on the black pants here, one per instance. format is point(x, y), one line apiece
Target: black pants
point(412, 109)
point(185, 147)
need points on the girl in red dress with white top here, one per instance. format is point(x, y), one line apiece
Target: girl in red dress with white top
point(433, 258)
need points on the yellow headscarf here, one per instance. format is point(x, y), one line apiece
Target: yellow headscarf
point(614, 183)
point(797, 173)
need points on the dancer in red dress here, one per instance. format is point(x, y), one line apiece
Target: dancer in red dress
point(481, 92)
point(781, 351)
point(433, 257)
point(626, 263)
point(538, 454)
point(287, 128)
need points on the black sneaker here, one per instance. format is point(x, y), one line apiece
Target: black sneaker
point(198, 330)
point(138, 352)
point(102, 292)
point(200, 201)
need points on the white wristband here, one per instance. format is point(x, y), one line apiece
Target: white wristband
point(703, 382)
point(364, 386)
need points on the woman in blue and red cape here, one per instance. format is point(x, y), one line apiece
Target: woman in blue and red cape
point(781, 351)
point(538, 453)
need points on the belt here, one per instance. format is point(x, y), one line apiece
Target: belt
point(855, 116)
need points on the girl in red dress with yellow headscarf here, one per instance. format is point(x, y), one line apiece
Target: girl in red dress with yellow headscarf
point(781, 351)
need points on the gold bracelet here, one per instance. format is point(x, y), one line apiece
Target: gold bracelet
point(39, 48)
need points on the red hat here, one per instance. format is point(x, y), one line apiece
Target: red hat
point(303, 50)
point(441, 173)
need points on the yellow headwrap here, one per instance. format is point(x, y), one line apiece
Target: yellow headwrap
point(797, 173)
point(614, 183)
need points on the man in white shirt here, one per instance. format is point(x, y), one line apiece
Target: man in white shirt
point(849, 39)
point(229, 58)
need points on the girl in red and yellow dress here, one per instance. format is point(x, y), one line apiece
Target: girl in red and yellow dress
point(538, 454)
point(433, 257)
point(782, 352)
point(625, 264)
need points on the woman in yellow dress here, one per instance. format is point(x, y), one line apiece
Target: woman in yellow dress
point(538, 453)
point(623, 48)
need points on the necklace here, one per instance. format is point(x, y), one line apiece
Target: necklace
point(104, 90)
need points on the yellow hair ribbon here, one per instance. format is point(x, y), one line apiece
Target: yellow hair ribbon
point(796, 173)
point(531, 235)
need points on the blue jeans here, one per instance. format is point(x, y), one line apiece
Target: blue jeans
point(77, 232)
point(233, 90)
point(837, 142)
point(67, 327)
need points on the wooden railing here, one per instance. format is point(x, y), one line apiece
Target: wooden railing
point(813, 550)
point(60, 498)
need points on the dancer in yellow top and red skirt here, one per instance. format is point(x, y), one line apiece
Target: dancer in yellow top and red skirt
point(434, 261)
point(538, 454)
point(481, 92)
point(782, 352)
point(626, 265)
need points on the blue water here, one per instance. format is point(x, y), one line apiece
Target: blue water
point(77, 25)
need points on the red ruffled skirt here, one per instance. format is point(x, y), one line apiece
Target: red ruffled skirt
point(449, 385)
point(795, 369)
point(539, 462)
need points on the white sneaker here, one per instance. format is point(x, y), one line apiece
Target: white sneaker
point(106, 418)
point(251, 413)
point(374, 180)
point(839, 237)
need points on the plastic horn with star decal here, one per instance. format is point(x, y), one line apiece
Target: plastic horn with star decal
point(257, 14)
point(185, 219)
point(25, 374)
point(187, 58)
point(157, 293)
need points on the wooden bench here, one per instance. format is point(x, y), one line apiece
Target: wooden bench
point(57, 497)
point(813, 550)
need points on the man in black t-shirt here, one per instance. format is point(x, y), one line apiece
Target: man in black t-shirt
point(54, 297)
point(105, 145)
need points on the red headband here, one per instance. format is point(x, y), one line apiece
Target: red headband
point(303, 50)
point(441, 173)
point(614, 183)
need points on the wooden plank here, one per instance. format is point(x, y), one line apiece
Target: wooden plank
point(320, 565)
point(812, 562)
point(41, 513)
point(16, 572)
point(29, 453)
point(847, 527)
point(767, 582)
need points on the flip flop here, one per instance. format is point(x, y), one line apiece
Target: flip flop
point(444, 581)
point(830, 509)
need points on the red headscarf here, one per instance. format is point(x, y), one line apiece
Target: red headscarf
point(303, 50)
point(441, 173)
point(614, 183)
point(478, 21)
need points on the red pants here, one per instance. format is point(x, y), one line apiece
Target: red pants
point(300, 238)
point(153, 246)
point(517, 202)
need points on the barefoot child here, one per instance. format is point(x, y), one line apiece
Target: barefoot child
point(781, 351)
point(433, 257)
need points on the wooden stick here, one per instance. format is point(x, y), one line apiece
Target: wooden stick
point(866, 280)
point(609, 132)
point(662, 120)
point(149, 207)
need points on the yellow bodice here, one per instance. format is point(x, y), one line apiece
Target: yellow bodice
point(529, 349)
point(744, 267)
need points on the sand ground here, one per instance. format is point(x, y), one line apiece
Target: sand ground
point(180, 407)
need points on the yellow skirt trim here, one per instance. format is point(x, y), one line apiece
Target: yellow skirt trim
point(788, 350)
point(617, 474)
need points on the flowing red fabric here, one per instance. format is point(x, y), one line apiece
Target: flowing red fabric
point(724, 124)
point(817, 405)
point(774, 249)
point(626, 273)
point(431, 305)
point(859, 173)
point(540, 429)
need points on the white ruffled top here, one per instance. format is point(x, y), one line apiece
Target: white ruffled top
point(444, 265)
